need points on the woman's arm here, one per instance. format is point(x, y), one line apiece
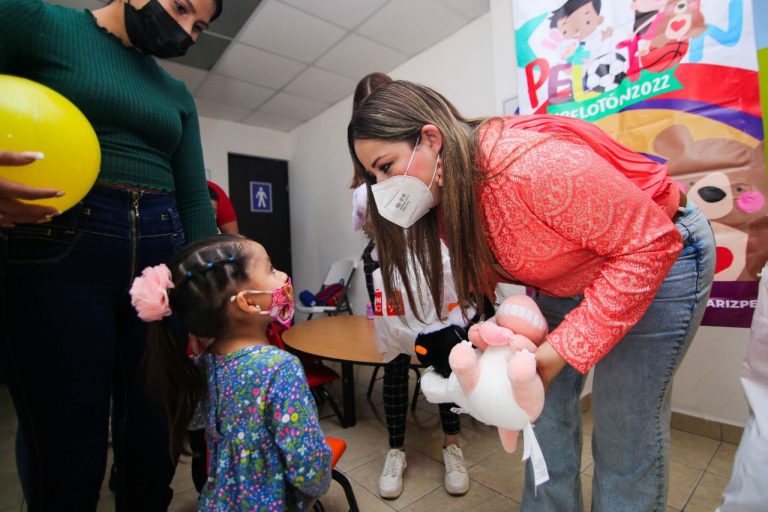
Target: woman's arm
point(192, 198)
point(21, 29)
point(548, 363)
point(225, 215)
point(585, 200)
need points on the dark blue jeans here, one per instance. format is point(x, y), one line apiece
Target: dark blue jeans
point(72, 342)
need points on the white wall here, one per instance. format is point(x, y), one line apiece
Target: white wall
point(223, 137)
point(320, 169)
point(504, 58)
point(708, 384)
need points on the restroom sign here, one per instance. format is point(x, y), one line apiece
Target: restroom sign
point(261, 197)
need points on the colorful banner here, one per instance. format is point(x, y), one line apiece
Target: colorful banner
point(676, 80)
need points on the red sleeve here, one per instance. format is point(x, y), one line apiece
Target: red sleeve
point(226, 212)
point(580, 196)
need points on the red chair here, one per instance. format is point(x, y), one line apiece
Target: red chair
point(318, 377)
point(318, 374)
point(338, 446)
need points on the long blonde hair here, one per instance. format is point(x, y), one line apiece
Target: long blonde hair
point(397, 111)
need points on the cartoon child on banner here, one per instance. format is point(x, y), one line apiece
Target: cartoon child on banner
point(579, 32)
point(592, 47)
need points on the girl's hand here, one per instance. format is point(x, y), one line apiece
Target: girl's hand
point(12, 210)
point(548, 363)
point(311, 504)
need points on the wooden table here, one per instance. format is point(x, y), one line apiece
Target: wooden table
point(348, 339)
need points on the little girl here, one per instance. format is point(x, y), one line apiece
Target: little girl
point(267, 452)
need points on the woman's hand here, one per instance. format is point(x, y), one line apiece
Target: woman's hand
point(12, 210)
point(548, 362)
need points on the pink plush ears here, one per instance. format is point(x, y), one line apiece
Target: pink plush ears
point(521, 314)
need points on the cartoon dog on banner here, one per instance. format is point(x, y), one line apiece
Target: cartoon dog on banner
point(728, 180)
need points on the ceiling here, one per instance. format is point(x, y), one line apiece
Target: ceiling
point(279, 63)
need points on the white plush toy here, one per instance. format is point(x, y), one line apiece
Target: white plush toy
point(498, 383)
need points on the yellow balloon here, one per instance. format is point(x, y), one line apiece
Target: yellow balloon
point(36, 118)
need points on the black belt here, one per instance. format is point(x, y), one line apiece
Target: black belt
point(131, 188)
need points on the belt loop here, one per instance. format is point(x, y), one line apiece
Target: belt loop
point(72, 215)
point(681, 208)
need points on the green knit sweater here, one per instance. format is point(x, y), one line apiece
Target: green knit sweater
point(145, 120)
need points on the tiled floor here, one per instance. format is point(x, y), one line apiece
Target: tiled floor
point(700, 465)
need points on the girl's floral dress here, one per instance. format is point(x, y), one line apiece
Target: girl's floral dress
point(267, 452)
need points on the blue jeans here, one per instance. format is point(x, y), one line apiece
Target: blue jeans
point(72, 343)
point(630, 395)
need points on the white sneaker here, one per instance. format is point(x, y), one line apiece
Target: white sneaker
point(456, 477)
point(391, 479)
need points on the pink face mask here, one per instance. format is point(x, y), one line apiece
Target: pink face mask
point(282, 307)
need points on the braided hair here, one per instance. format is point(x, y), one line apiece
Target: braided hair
point(204, 273)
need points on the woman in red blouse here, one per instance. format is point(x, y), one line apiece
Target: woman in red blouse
point(614, 251)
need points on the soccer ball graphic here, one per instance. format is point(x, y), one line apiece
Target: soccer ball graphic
point(605, 72)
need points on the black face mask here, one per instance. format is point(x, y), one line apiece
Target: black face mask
point(152, 30)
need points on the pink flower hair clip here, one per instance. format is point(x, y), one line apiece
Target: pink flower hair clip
point(149, 293)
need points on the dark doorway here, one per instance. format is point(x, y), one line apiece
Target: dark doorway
point(258, 188)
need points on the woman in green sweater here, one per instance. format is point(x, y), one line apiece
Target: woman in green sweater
point(70, 339)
